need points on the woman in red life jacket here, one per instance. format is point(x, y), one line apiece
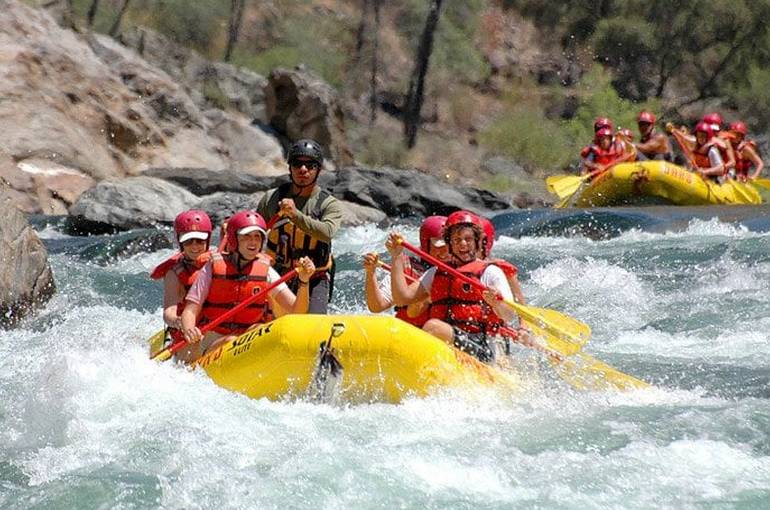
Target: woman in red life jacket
point(193, 234)
point(746, 154)
point(652, 144)
point(379, 297)
point(709, 153)
point(598, 156)
point(230, 278)
point(460, 314)
point(715, 121)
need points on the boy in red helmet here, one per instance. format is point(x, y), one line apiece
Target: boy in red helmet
point(601, 154)
point(379, 297)
point(652, 145)
point(230, 278)
point(460, 314)
point(710, 153)
point(193, 234)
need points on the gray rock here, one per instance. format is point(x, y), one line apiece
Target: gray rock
point(300, 104)
point(221, 206)
point(356, 214)
point(399, 192)
point(202, 181)
point(26, 280)
point(134, 202)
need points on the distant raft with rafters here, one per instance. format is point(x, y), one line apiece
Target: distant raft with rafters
point(648, 182)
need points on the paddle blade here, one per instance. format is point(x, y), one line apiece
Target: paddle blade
point(586, 373)
point(564, 334)
point(765, 183)
point(564, 185)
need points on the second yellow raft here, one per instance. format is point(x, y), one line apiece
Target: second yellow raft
point(661, 182)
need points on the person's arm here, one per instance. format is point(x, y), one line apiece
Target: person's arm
point(403, 293)
point(189, 318)
point(513, 281)
point(194, 300)
point(376, 300)
point(285, 298)
point(749, 153)
point(730, 163)
point(589, 165)
point(717, 165)
point(494, 279)
point(325, 228)
point(173, 294)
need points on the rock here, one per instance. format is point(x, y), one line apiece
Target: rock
point(134, 202)
point(221, 206)
point(202, 181)
point(92, 106)
point(299, 104)
point(210, 84)
point(124, 245)
point(407, 192)
point(26, 280)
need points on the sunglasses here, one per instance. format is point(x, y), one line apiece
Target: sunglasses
point(310, 165)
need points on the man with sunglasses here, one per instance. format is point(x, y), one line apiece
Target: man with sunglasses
point(308, 217)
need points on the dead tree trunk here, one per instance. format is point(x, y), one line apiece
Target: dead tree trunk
point(361, 30)
point(234, 27)
point(115, 28)
point(375, 63)
point(414, 97)
point(92, 12)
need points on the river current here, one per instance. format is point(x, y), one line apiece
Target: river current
point(87, 421)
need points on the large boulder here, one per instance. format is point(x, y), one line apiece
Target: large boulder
point(133, 202)
point(26, 280)
point(301, 105)
point(202, 181)
point(210, 84)
point(399, 192)
point(98, 110)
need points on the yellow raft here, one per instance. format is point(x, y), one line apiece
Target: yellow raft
point(382, 359)
point(644, 181)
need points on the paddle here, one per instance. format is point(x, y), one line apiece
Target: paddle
point(765, 183)
point(565, 335)
point(564, 186)
point(166, 353)
point(578, 369)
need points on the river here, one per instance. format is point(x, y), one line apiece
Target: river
point(87, 421)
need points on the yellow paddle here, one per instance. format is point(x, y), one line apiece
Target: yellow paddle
point(564, 186)
point(578, 369)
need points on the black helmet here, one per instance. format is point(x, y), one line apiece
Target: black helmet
point(306, 148)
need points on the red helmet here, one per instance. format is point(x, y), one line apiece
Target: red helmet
point(646, 117)
point(193, 224)
point(489, 235)
point(714, 119)
point(627, 133)
point(431, 228)
point(602, 122)
point(704, 127)
point(463, 219)
point(739, 127)
point(602, 133)
point(242, 223)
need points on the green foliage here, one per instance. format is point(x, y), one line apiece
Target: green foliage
point(266, 61)
point(215, 95)
point(525, 135)
point(195, 24)
point(754, 98)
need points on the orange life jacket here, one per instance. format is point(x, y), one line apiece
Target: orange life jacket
point(462, 305)
point(743, 165)
point(701, 154)
point(401, 313)
point(601, 156)
point(231, 286)
point(187, 272)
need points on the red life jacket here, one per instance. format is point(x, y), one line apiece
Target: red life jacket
point(231, 286)
point(421, 319)
point(187, 272)
point(462, 305)
point(509, 269)
point(601, 156)
point(701, 154)
point(743, 165)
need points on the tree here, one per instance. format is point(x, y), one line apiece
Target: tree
point(374, 63)
point(234, 26)
point(91, 15)
point(414, 98)
point(116, 24)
